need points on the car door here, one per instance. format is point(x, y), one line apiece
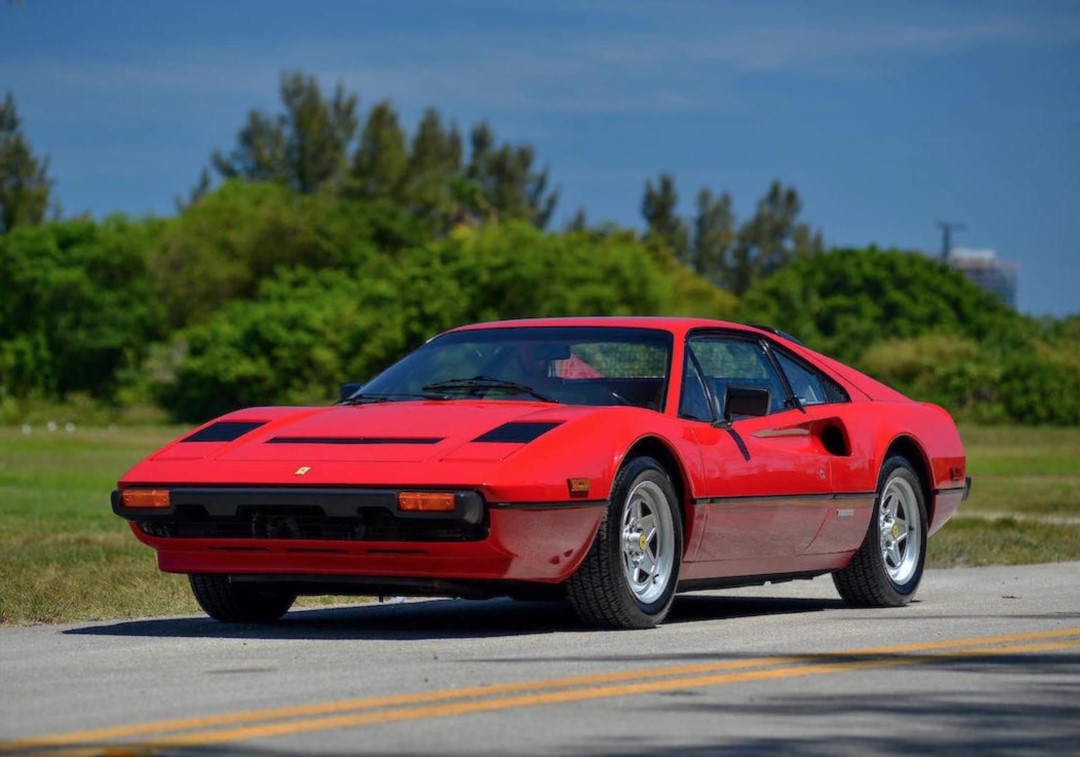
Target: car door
point(769, 477)
point(828, 409)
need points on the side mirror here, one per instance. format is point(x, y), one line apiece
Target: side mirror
point(745, 401)
point(348, 390)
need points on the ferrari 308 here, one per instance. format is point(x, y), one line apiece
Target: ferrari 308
point(610, 462)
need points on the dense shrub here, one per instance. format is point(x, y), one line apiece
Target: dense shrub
point(843, 302)
point(223, 246)
point(76, 307)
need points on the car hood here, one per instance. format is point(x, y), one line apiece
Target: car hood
point(387, 432)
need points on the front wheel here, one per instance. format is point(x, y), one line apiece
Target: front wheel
point(886, 570)
point(629, 577)
point(237, 603)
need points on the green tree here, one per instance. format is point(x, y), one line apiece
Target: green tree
point(24, 181)
point(291, 344)
point(508, 186)
point(663, 224)
point(578, 222)
point(381, 163)
point(77, 306)
point(224, 246)
point(305, 148)
point(434, 161)
point(714, 235)
point(770, 240)
point(846, 300)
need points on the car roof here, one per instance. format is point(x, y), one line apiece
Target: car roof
point(676, 325)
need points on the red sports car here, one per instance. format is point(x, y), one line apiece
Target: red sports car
point(610, 461)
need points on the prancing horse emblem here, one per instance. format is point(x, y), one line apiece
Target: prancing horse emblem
point(303, 470)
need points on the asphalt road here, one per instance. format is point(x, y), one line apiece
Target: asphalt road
point(987, 661)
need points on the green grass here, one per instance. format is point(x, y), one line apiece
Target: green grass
point(1025, 499)
point(1004, 541)
point(64, 556)
point(1025, 471)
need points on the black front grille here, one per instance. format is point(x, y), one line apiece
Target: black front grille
point(307, 513)
point(308, 522)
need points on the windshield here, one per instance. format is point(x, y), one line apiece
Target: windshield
point(564, 364)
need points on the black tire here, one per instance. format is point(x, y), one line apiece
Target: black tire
point(888, 567)
point(608, 590)
point(236, 603)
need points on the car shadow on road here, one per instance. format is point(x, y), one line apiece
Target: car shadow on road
point(441, 619)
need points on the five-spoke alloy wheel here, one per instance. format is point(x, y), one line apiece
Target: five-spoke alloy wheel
point(629, 577)
point(886, 570)
point(648, 537)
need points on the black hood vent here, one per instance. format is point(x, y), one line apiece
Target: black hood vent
point(519, 432)
point(224, 431)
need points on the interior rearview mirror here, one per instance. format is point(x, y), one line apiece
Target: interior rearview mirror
point(553, 351)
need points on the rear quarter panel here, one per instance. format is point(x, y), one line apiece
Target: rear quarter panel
point(879, 418)
point(917, 430)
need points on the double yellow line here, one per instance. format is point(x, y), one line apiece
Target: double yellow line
point(281, 721)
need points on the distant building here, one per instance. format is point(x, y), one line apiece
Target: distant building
point(983, 268)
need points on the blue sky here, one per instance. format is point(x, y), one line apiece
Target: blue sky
point(885, 116)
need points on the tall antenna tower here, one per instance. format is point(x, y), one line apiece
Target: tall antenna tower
point(947, 229)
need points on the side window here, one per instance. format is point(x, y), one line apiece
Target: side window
point(810, 386)
point(693, 403)
point(728, 362)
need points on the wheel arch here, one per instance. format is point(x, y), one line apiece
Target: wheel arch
point(909, 448)
point(658, 449)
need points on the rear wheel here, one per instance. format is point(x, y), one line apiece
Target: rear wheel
point(236, 603)
point(888, 567)
point(629, 577)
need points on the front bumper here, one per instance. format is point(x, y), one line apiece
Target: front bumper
point(352, 532)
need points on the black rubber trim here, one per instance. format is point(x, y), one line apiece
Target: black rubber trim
point(519, 432)
point(776, 332)
point(738, 442)
point(334, 503)
point(854, 495)
point(398, 585)
point(734, 582)
point(966, 489)
point(561, 505)
point(223, 431)
point(825, 497)
point(355, 440)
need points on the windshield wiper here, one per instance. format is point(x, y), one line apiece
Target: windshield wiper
point(488, 382)
point(365, 397)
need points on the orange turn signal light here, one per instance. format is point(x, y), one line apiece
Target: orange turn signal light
point(155, 498)
point(426, 502)
point(579, 485)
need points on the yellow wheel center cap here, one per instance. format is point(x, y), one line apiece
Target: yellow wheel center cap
point(896, 530)
point(643, 542)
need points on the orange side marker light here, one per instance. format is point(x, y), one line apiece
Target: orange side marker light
point(579, 486)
